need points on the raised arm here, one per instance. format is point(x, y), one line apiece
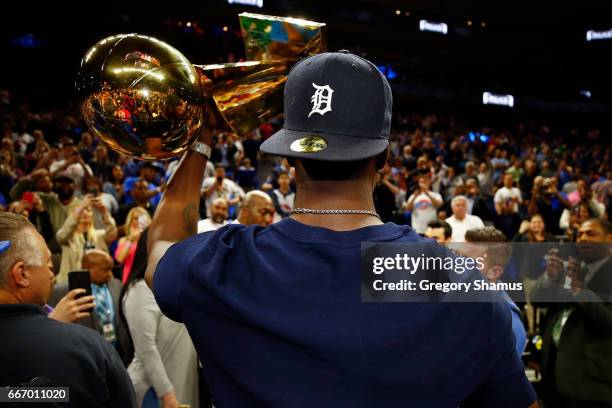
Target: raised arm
point(177, 214)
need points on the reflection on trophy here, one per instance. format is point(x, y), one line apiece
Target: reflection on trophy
point(144, 99)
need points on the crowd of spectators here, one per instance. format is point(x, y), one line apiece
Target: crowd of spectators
point(532, 182)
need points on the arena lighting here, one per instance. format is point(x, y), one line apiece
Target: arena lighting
point(489, 98)
point(586, 93)
point(592, 35)
point(441, 28)
point(254, 3)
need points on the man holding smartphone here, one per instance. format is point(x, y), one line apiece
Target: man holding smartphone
point(33, 345)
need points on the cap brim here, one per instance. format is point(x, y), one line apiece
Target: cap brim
point(338, 147)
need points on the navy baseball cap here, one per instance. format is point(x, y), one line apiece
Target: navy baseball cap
point(337, 108)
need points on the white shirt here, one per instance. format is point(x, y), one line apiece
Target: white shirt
point(423, 211)
point(229, 190)
point(505, 194)
point(460, 227)
point(207, 224)
point(285, 202)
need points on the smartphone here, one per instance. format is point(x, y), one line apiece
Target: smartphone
point(80, 280)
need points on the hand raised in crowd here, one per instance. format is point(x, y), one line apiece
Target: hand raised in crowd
point(86, 203)
point(39, 173)
point(97, 204)
point(168, 400)
point(576, 275)
point(70, 308)
point(37, 203)
point(554, 264)
point(134, 233)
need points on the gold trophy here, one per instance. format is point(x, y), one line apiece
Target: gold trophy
point(144, 99)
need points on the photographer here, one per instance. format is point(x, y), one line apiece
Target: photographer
point(547, 201)
point(220, 186)
point(78, 235)
point(93, 187)
point(576, 358)
point(69, 163)
point(33, 345)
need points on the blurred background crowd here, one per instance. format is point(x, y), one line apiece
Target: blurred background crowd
point(539, 172)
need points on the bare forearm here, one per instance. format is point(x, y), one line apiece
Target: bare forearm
point(177, 215)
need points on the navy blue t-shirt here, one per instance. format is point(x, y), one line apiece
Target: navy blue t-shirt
point(277, 319)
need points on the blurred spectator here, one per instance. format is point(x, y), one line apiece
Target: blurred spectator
point(485, 179)
point(148, 172)
point(106, 290)
point(536, 231)
point(218, 216)
point(422, 204)
point(70, 164)
point(78, 235)
point(246, 175)
point(477, 203)
point(251, 144)
point(86, 147)
point(93, 187)
point(256, 209)
point(35, 346)
point(283, 197)
point(220, 186)
point(572, 220)
point(281, 166)
point(461, 221)
point(224, 151)
point(602, 189)
point(57, 196)
point(507, 200)
point(497, 250)
point(547, 201)
point(164, 356)
point(114, 184)
point(32, 207)
point(441, 231)
point(140, 195)
point(576, 360)
point(526, 180)
point(101, 165)
point(137, 220)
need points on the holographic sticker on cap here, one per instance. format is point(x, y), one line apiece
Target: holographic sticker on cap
point(309, 144)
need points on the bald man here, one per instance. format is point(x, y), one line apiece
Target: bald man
point(106, 290)
point(218, 216)
point(256, 209)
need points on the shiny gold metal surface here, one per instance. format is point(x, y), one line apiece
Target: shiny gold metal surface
point(271, 38)
point(140, 96)
point(144, 99)
point(247, 94)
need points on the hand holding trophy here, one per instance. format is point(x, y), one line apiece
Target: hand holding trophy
point(144, 99)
